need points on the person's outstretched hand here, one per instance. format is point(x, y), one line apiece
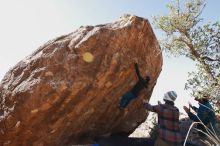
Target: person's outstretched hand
point(187, 110)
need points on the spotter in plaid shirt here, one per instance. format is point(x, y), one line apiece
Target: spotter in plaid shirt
point(168, 122)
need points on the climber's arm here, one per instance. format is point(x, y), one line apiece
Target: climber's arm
point(193, 117)
point(195, 109)
point(137, 71)
point(146, 82)
point(143, 81)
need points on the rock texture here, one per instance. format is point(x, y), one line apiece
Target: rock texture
point(54, 97)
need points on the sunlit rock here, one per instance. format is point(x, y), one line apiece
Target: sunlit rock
point(68, 90)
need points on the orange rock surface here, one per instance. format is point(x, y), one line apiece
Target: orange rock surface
point(68, 90)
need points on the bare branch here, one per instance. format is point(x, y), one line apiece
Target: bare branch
point(210, 59)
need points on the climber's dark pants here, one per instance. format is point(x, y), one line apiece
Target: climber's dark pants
point(126, 99)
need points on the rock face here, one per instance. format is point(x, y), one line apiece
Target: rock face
point(68, 90)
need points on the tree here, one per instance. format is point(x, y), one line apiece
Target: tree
point(187, 35)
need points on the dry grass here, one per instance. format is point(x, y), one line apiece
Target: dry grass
point(211, 134)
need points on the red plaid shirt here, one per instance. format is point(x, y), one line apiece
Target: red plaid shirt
point(168, 122)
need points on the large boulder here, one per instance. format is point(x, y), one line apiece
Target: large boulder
point(68, 90)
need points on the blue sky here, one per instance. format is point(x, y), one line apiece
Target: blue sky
point(27, 24)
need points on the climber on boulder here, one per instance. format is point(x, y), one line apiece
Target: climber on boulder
point(134, 92)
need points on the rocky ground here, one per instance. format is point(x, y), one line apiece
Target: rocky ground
point(147, 130)
point(145, 134)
